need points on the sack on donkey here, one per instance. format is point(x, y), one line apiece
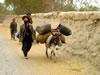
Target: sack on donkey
point(64, 30)
point(43, 29)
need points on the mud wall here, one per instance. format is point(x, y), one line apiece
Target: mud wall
point(85, 39)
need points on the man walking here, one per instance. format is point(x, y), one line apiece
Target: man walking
point(13, 29)
point(26, 36)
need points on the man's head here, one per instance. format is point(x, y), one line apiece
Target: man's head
point(29, 14)
point(13, 19)
point(25, 19)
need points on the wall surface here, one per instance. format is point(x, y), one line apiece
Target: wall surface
point(85, 39)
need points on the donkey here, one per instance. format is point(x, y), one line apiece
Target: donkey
point(53, 42)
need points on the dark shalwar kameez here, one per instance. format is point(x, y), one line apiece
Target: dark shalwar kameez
point(27, 41)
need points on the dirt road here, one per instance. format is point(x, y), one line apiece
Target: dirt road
point(12, 61)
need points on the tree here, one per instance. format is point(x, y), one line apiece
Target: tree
point(42, 6)
point(3, 12)
point(34, 6)
point(80, 5)
point(86, 5)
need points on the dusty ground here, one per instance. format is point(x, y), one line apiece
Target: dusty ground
point(12, 61)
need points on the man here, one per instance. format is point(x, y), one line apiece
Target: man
point(13, 29)
point(26, 36)
point(30, 19)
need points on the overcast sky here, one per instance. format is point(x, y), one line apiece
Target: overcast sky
point(1, 1)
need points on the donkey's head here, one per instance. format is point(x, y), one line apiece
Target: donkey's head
point(56, 39)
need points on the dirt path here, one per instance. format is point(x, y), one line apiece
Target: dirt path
point(12, 61)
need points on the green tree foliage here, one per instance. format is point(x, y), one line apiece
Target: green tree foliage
point(80, 5)
point(87, 5)
point(34, 6)
point(90, 8)
point(41, 6)
point(3, 11)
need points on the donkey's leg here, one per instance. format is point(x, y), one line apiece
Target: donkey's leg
point(54, 56)
point(51, 54)
point(47, 52)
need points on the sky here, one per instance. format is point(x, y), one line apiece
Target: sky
point(2, 1)
point(92, 2)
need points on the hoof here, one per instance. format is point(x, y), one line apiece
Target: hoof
point(26, 57)
point(47, 56)
point(55, 61)
point(50, 57)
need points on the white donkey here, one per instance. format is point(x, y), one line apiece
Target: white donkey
point(53, 42)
